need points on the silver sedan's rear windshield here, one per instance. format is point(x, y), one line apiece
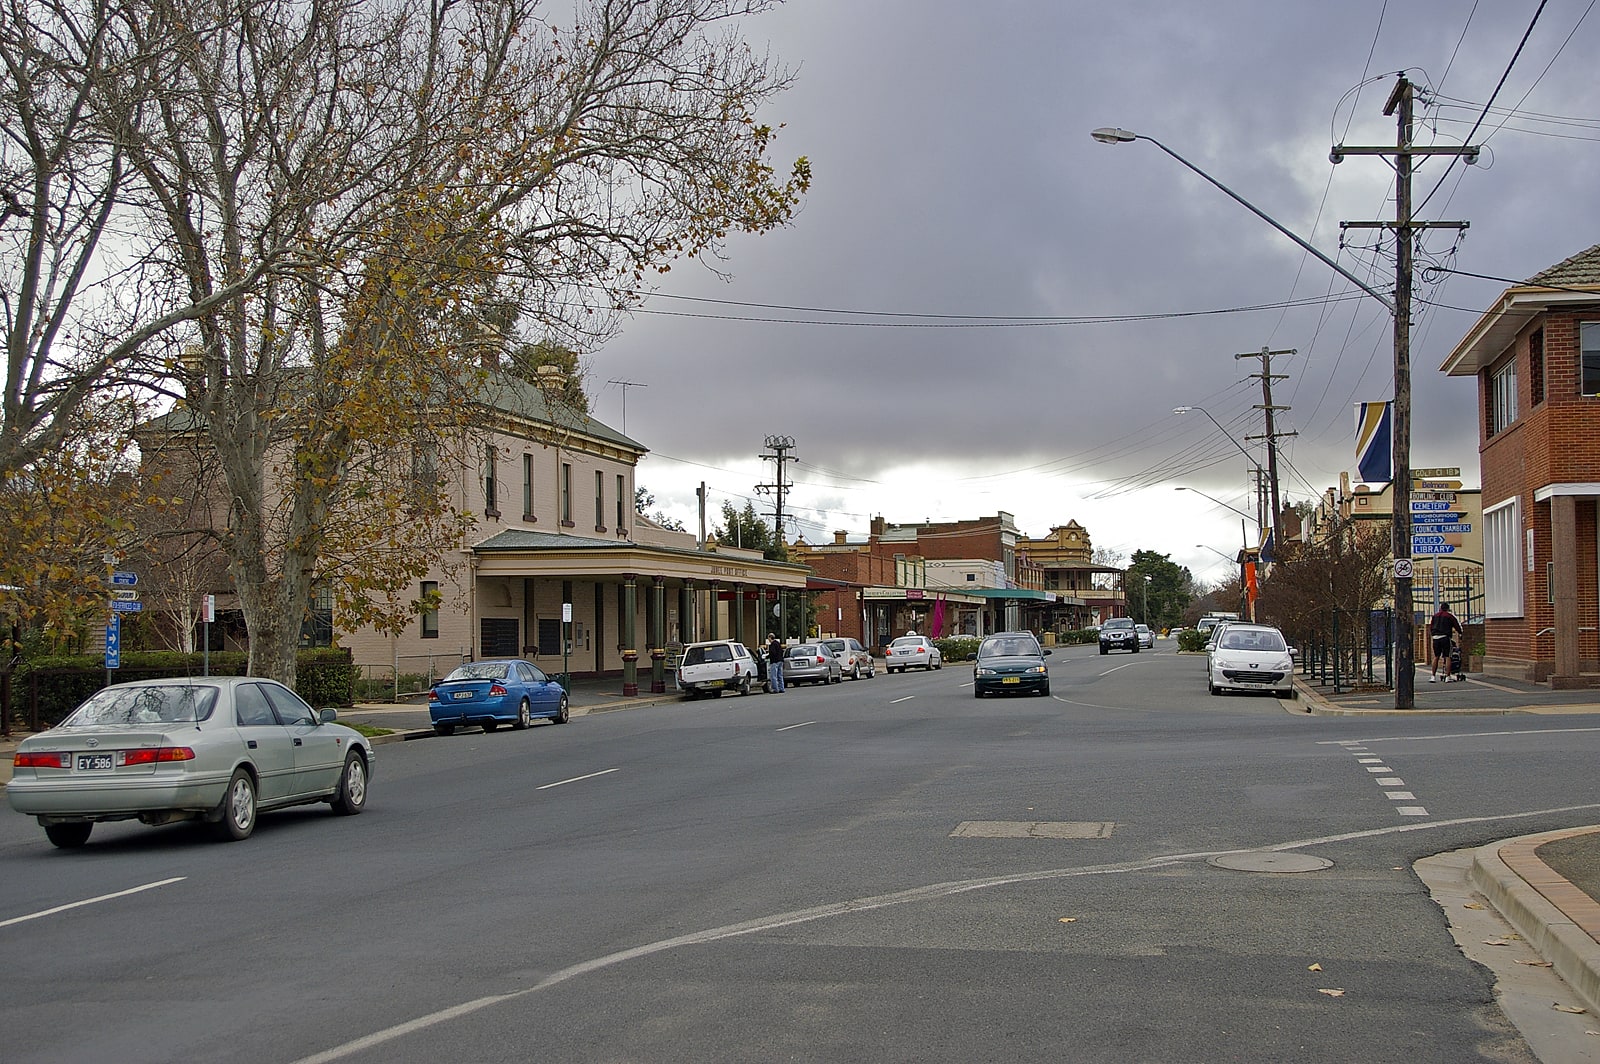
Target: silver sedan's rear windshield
point(177, 704)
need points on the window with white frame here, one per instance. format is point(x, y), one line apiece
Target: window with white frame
point(1502, 559)
point(622, 495)
point(490, 499)
point(566, 493)
point(527, 486)
point(1589, 358)
point(599, 500)
point(1503, 397)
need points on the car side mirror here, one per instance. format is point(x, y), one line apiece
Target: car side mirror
point(328, 716)
point(1210, 647)
point(1047, 652)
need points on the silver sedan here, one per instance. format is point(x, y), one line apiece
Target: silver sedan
point(811, 663)
point(218, 749)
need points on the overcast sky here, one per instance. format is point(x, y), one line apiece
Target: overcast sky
point(955, 181)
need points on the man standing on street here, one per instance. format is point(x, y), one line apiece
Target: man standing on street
point(774, 663)
point(1444, 628)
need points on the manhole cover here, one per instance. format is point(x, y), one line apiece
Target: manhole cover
point(1270, 861)
point(1032, 829)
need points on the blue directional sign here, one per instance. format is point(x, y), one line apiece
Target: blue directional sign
point(1423, 541)
point(114, 642)
point(1427, 505)
point(1453, 529)
point(121, 578)
point(1433, 548)
point(125, 606)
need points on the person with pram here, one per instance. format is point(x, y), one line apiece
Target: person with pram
point(1446, 632)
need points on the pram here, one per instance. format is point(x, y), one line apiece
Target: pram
point(1455, 662)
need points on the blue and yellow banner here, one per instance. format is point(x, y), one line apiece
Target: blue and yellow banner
point(1374, 442)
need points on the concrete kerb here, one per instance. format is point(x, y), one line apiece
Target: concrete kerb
point(1555, 933)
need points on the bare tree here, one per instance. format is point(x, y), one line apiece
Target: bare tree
point(1344, 570)
point(374, 176)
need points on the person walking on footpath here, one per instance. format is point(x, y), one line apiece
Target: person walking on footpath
point(1445, 628)
point(774, 663)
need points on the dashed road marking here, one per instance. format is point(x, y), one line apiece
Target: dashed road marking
point(1384, 776)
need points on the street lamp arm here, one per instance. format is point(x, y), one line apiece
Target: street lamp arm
point(1219, 502)
point(1116, 136)
point(1248, 456)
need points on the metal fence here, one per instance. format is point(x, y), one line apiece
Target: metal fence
point(1350, 650)
point(407, 677)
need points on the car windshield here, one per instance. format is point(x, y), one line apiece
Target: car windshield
point(907, 641)
point(838, 646)
point(804, 650)
point(479, 670)
point(1234, 639)
point(701, 655)
point(177, 704)
point(1119, 622)
point(1009, 647)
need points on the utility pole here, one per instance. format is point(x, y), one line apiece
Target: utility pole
point(1267, 377)
point(1400, 105)
point(780, 446)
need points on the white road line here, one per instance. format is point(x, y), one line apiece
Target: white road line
point(1119, 668)
point(882, 901)
point(897, 701)
point(575, 779)
point(1390, 781)
point(1464, 735)
point(792, 727)
point(92, 901)
point(1400, 796)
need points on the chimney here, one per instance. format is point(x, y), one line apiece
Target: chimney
point(838, 538)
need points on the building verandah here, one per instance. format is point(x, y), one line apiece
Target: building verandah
point(627, 599)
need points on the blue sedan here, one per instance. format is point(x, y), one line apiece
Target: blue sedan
point(491, 693)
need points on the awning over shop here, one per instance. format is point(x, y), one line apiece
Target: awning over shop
point(921, 594)
point(1012, 594)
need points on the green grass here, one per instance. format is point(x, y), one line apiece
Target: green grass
point(367, 729)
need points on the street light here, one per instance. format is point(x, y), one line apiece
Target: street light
point(1114, 135)
point(1260, 476)
point(1399, 308)
point(1219, 502)
point(1146, 599)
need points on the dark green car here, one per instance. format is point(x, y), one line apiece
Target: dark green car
point(1011, 662)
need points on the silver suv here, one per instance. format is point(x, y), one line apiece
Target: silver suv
point(1119, 633)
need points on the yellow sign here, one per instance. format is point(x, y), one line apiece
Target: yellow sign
point(1436, 485)
point(1441, 471)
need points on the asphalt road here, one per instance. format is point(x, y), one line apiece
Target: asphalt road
point(882, 870)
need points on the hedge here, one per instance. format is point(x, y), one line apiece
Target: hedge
point(45, 690)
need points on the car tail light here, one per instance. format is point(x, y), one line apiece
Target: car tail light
point(433, 696)
point(21, 760)
point(497, 690)
point(821, 660)
point(155, 754)
point(922, 650)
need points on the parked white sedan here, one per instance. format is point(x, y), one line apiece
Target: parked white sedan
point(1251, 657)
point(912, 652)
point(217, 749)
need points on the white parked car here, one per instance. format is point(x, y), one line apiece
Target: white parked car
point(1147, 638)
point(912, 652)
point(1251, 657)
point(708, 669)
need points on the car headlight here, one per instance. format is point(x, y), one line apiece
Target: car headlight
point(1284, 664)
point(985, 672)
point(1038, 669)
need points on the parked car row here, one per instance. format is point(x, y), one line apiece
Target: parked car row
point(1242, 656)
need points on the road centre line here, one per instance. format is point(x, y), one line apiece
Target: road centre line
point(791, 727)
point(92, 901)
point(1119, 668)
point(897, 701)
point(574, 779)
point(882, 901)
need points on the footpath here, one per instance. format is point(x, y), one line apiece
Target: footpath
point(1546, 886)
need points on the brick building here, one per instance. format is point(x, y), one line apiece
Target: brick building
point(1536, 356)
